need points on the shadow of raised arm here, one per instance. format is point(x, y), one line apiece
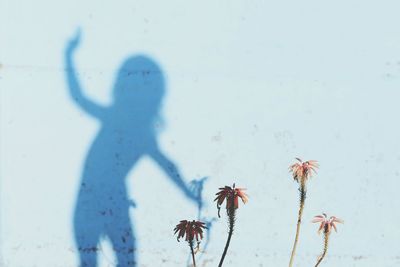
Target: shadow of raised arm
point(74, 87)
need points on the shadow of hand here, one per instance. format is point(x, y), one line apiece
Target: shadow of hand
point(74, 42)
point(196, 189)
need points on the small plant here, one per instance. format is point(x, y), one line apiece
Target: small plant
point(231, 195)
point(192, 230)
point(326, 226)
point(301, 172)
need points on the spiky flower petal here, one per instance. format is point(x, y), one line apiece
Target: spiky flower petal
point(191, 229)
point(325, 223)
point(303, 170)
point(231, 193)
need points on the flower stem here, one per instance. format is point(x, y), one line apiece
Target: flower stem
point(303, 193)
point(326, 240)
point(231, 216)
point(192, 251)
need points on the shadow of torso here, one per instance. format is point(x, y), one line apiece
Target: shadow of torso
point(112, 155)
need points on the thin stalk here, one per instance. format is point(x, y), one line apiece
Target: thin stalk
point(303, 193)
point(192, 251)
point(326, 240)
point(231, 215)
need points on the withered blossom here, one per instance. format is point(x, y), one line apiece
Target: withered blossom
point(326, 224)
point(303, 170)
point(231, 195)
point(191, 231)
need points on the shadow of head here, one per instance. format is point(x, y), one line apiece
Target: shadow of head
point(139, 88)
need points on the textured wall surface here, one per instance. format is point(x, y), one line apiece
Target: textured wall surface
point(229, 90)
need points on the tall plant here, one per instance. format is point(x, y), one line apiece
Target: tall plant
point(301, 172)
point(231, 195)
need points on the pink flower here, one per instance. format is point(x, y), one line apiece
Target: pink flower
point(303, 170)
point(230, 193)
point(192, 229)
point(326, 224)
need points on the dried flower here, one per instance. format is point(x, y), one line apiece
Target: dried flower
point(303, 170)
point(228, 193)
point(326, 224)
point(192, 230)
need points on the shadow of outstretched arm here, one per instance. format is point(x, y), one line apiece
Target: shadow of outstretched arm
point(75, 89)
point(173, 173)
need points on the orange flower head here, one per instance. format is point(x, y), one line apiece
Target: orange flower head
point(326, 224)
point(191, 229)
point(303, 170)
point(231, 194)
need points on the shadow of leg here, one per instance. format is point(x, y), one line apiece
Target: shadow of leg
point(123, 241)
point(87, 239)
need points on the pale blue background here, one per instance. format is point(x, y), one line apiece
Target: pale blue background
point(250, 86)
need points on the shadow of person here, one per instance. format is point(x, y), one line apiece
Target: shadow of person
point(127, 133)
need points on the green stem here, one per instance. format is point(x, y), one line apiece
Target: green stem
point(302, 201)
